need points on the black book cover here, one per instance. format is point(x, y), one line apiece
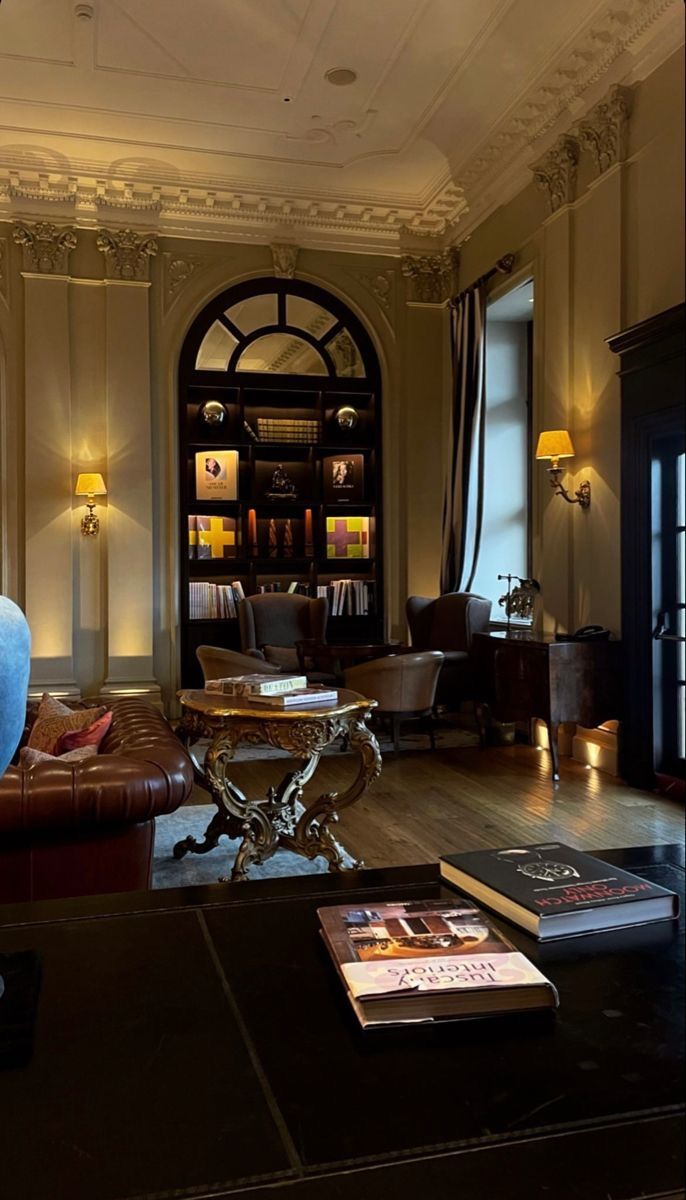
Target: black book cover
point(19, 984)
point(343, 478)
point(553, 879)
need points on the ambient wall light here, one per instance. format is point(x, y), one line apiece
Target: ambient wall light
point(555, 444)
point(90, 486)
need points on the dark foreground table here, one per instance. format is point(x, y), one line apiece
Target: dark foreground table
point(197, 1043)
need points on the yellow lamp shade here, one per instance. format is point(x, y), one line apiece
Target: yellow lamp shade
point(90, 485)
point(554, 443)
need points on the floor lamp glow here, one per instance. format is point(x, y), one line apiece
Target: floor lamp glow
point(90, 486)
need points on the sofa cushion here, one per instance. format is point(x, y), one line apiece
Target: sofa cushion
point(31, 758)
point(91, 735)
point(55, 719)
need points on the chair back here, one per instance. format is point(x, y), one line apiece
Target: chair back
point(15, 653)
point(281, 619)
point(398, 682)
point(448, 622)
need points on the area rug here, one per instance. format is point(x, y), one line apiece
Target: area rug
point(193, 819)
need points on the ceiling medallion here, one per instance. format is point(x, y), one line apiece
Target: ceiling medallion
point(340, 76)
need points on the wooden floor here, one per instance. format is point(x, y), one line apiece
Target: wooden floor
point(430, 803)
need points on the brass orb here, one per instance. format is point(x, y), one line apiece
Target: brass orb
point(346, 417)
point(212, 412)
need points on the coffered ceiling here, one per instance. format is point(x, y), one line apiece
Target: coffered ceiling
point(216, 118)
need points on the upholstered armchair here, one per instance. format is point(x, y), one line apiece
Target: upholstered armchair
point(448, 623)
point(404, 686)
point(218, 663)
point(271, 623)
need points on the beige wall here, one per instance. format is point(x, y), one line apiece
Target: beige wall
point(612, 258)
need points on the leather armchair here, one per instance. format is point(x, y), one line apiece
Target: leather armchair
point(404, 685)
point(218, 663)
point(75, 829)
point(271, 623)
point(448, 623)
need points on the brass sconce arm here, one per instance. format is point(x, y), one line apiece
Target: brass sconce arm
point(582, 495)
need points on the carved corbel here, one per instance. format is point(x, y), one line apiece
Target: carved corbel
point(431, 278)
point(46, 246)
point(127, 253)
point(604, 131)
point(285, 258)
point(555, 173)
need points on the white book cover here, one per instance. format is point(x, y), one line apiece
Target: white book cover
point(216, 475)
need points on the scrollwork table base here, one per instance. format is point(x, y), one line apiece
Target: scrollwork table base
point(276, 820)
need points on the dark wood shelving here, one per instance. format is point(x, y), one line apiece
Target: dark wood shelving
point(246, 396)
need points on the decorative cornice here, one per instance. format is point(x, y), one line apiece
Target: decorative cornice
point(46, 246)
point(555, 173)
point(432, 278)
point(127, 253)
point(604, 129)
point(284, 258)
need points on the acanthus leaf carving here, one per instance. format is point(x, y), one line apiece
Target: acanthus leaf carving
point(555, 173)
point(127, 253)
point(604, 130)
point(285, 259)
point(431, 277)
point(380, 285)
point(46, 246)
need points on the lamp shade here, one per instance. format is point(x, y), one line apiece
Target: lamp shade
point(554, 443)
point(90, 485)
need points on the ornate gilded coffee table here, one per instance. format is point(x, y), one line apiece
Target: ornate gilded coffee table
point(275, 821)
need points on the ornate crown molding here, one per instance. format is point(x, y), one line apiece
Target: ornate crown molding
point(46, 246)
point(604, 129)
point(432, 278)
point(127, 253)
point(555, 173)
point(284, 258)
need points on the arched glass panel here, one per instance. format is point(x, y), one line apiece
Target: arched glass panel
point(253, 313)
point(216, 349)
point(346, 357)
point(305, 314)
point(282, 354)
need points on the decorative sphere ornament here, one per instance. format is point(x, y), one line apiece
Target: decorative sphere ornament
point(346, 417)
point(212, 412)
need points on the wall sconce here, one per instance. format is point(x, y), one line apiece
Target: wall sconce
point(90, 486)
point(556, 444)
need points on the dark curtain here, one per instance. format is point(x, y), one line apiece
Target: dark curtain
point(463, 500)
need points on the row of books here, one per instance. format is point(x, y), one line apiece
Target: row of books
point(294, 588)
point(285, 429)
point(347, 597)
point(212, 601)
point(427, 960)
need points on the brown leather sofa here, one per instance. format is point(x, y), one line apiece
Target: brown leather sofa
point(75, 829)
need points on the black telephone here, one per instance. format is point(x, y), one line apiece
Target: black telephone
point(588, 633)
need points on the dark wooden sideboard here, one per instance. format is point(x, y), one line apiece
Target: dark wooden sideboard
point(522, 675)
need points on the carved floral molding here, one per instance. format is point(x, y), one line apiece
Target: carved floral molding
point(285, 259)
point(127, 253)
point(555, 173)
point(432, 278)
point(604, 131)
point(46, 246)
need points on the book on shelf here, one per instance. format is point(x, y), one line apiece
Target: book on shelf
point(214, 601)
point(343, 477)
point(554, 891)
point(347, 597)
point(216, 475)
point(256, 684)
point(307, 696)
point(347, 537)
point(211, 537)
point(428, 960)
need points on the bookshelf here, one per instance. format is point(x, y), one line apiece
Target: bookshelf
point(293, 484)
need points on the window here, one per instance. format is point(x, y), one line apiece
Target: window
point(505, 531)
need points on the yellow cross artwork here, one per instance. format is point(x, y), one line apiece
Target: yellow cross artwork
point(219, 534)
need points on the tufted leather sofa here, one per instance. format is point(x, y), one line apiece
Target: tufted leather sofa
point(75, 829)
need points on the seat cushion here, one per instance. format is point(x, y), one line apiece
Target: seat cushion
point(283, 657)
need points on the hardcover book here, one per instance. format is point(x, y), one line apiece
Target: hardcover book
point(300, 698)
point(343, 476)
point(256, 685)
point(425, 960)
point(347, 537)
point(216, 475)
point(553, 891)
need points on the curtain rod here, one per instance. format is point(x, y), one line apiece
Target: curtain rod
point(503, 266)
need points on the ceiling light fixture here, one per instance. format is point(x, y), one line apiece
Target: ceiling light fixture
point(340, 76)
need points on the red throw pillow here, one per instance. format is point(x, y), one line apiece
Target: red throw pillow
point(92, 735)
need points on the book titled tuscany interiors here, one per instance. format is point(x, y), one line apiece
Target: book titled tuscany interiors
point(426, 960)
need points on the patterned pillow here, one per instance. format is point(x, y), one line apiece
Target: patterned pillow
point(31, 758)
point(92, 735)
point(54, 719)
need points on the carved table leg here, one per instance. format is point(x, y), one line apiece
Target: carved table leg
point(312, 834)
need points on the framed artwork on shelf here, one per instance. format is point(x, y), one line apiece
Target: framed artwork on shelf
point(347, 537)
point(216, 475)
point(343, 478)
point(211, 537)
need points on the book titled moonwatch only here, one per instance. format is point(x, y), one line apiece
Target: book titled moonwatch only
point(427, 960)
point(553, 891)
